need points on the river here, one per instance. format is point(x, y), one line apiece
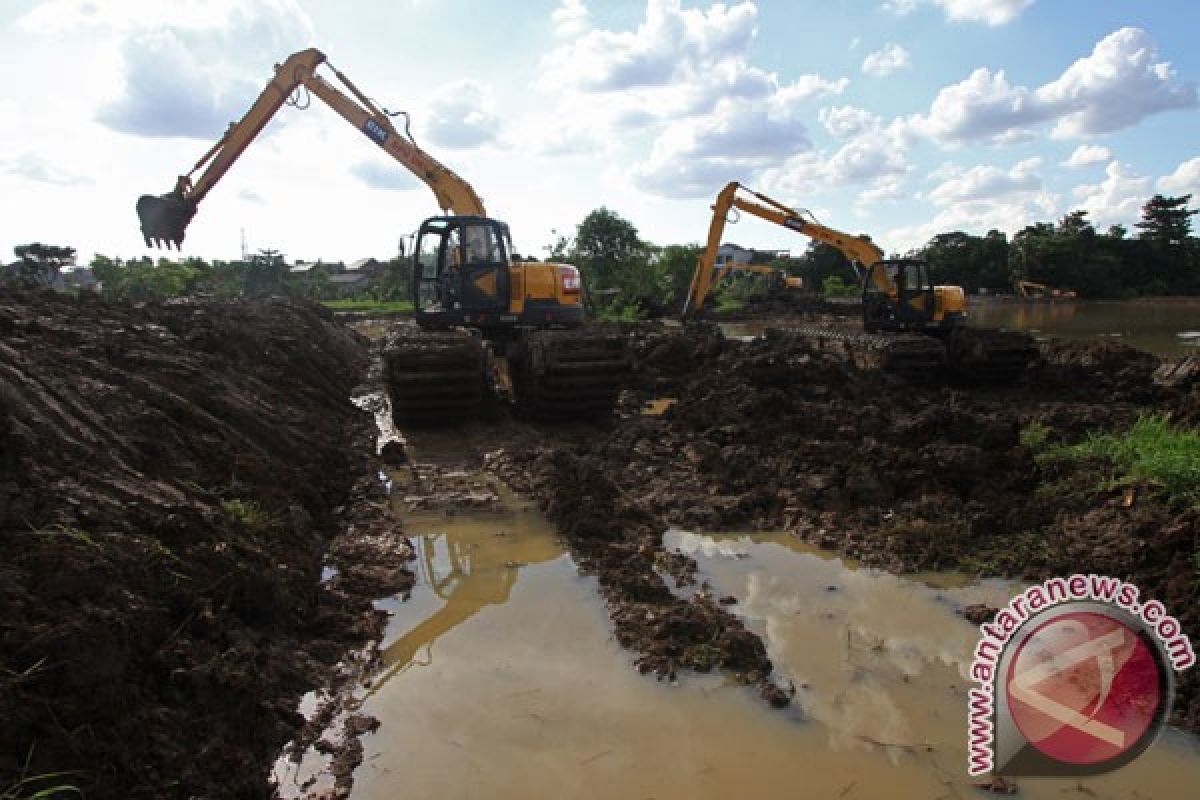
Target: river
point(1167, 327)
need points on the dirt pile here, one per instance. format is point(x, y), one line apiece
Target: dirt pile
point(169, 476)
point(773, 434)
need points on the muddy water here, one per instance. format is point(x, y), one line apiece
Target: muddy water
point(503, 681)
point(1167, 327)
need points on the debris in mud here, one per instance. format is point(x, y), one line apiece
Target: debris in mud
point(979, 613)
point(168, 482)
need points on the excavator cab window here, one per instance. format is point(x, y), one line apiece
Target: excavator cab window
point(462, 269)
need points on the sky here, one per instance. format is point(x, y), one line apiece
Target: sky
point(900, 119)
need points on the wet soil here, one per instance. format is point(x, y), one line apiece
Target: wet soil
point(170, 479)
point(771, 434)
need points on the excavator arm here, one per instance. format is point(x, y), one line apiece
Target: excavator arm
point(165, 218)
point(860, 250)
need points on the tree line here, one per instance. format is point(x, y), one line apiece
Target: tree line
point(627, 277)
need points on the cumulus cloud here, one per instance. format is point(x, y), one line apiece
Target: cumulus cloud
point(683, 76)
point(378, 175)
point(846, 121)
point(885, 61)
point(733, 140)
point(461, 116)
point(676, 62)
point(570, 19)
point(1118, 199)
point(991, 12)
point(981, 198)
point(1121, 83)
point(186, 67)
point(1087, 154)
point(987, 182)
point(1184, 180)
point(36, 168)
point(871, 155)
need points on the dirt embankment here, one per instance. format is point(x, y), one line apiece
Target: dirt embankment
point(169, 479)
point(772, 434)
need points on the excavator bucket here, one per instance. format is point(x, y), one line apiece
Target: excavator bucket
point(164, 219)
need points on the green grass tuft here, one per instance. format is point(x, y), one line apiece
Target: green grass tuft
point(247, 512)
point(1152, 451)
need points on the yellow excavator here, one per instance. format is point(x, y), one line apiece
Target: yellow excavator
point(910, 326)
point(486, 320)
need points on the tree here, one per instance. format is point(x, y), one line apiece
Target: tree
point(39, 264)
point(265, 273)
point(1166, 220)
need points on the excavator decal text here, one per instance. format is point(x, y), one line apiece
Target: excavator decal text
point(375, 131)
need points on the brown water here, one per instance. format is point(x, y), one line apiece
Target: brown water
point(1164, 327)
point(502, 680)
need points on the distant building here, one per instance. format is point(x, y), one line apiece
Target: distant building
point(348, 283)
point(732, 253)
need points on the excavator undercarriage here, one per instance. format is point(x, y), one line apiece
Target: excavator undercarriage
point(448, 377)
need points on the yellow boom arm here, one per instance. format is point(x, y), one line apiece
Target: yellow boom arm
point(858, 249)
point(164, 219)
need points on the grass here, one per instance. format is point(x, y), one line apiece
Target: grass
point(371, 306)
point(248, 513)
point(1152, 451)
point(27, 788)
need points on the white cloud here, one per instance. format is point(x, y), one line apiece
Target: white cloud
point(1087, 154)
point(885, 61)
point(461, 116)
point(887, 187)
point(1184, 180)
point(570, 19)
point(987, 182)
point(992, 12)
point(187, 66)
point(734, 140)
point(1118, 199)
point(379, 175)
point(846, 121)
point(1121, 83)
point(871, 154)
point(677, 62)
point(36, 168)
point(683, 76)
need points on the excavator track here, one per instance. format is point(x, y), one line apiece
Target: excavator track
point(981, 355)
point(436, 378)
point(911, 356)
point(570, 373)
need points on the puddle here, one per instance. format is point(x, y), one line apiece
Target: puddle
point(503, 681)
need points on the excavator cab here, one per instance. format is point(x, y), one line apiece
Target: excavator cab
point(461, 272)
point(898, 296)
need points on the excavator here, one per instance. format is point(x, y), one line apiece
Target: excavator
point(910, 326)
point(487, 322)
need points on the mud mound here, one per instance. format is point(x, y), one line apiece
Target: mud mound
point(167, 478)
point(1112, 371)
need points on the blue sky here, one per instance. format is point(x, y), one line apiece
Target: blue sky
point(897, 118)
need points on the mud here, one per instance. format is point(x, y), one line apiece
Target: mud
point(771, 434)
point(170, 477)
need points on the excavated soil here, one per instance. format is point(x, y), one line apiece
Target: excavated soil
point(174, 478)
point(772, 434)
point(170, 478)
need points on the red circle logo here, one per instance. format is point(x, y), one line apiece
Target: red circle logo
point(1084, 688)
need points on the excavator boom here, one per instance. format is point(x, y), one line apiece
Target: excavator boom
point(861, 251)
point(165, 218)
